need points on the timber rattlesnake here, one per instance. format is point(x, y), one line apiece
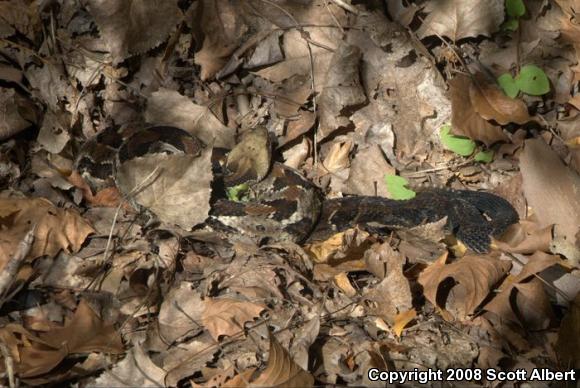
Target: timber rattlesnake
point(286, 206)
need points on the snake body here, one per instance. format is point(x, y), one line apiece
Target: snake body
point(287, 206)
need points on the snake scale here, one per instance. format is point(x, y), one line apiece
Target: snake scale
point(284, 205)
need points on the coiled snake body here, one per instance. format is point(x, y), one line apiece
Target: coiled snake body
point(286, 206)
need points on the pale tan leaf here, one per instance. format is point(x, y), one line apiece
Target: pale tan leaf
point(462, 19)
point(342, 282)
point(228, 316)
point(131, 27)
point(180, 313)
point(367, 173)
point(250, 160)
point(337, 158)
point(176, 187)
point(168, 107)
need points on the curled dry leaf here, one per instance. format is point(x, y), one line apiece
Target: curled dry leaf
point(55, 228)
point(176, 187)
point(337, 158)
point(249, 161)
point(526, 237)
point(492, 104)
point(461, 286)
point(462, 19)
point(519, 302)
point(464, 117)
point(281, 371)
point(402, 320)
point(228, 316)
point(131, 27)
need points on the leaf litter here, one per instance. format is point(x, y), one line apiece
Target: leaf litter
point(356, 95)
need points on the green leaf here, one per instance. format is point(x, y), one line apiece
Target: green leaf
point(532, 80)
point(508, 85)
point(484, 156)
point(461, 145)
point(238, 193)
point(515, 8)
point(510, 25)
point(396, 186)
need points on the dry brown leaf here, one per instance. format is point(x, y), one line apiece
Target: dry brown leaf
point(135, 370)
point(223, 27)
point(367, 173)
point(393, 294)
point(568, 345)
point(168, 107)
point(551, 188)
point(526, 237)
point(507, 308)
point(462, 19)
point(180, 313)
point(131, 27)
point(228, 316)
point(175, 187)
point(249, 161)
point(53, 135)
point(107, 197)
point(85, 333)
point(55, 228)
point(11, 120)
point(533, 305)
point(281, 370)
point(18, 15)
point(492, 104)
point(298, 66)
point(460, 287)
point(342, 90)
point(402, 320)
point(464, 118)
